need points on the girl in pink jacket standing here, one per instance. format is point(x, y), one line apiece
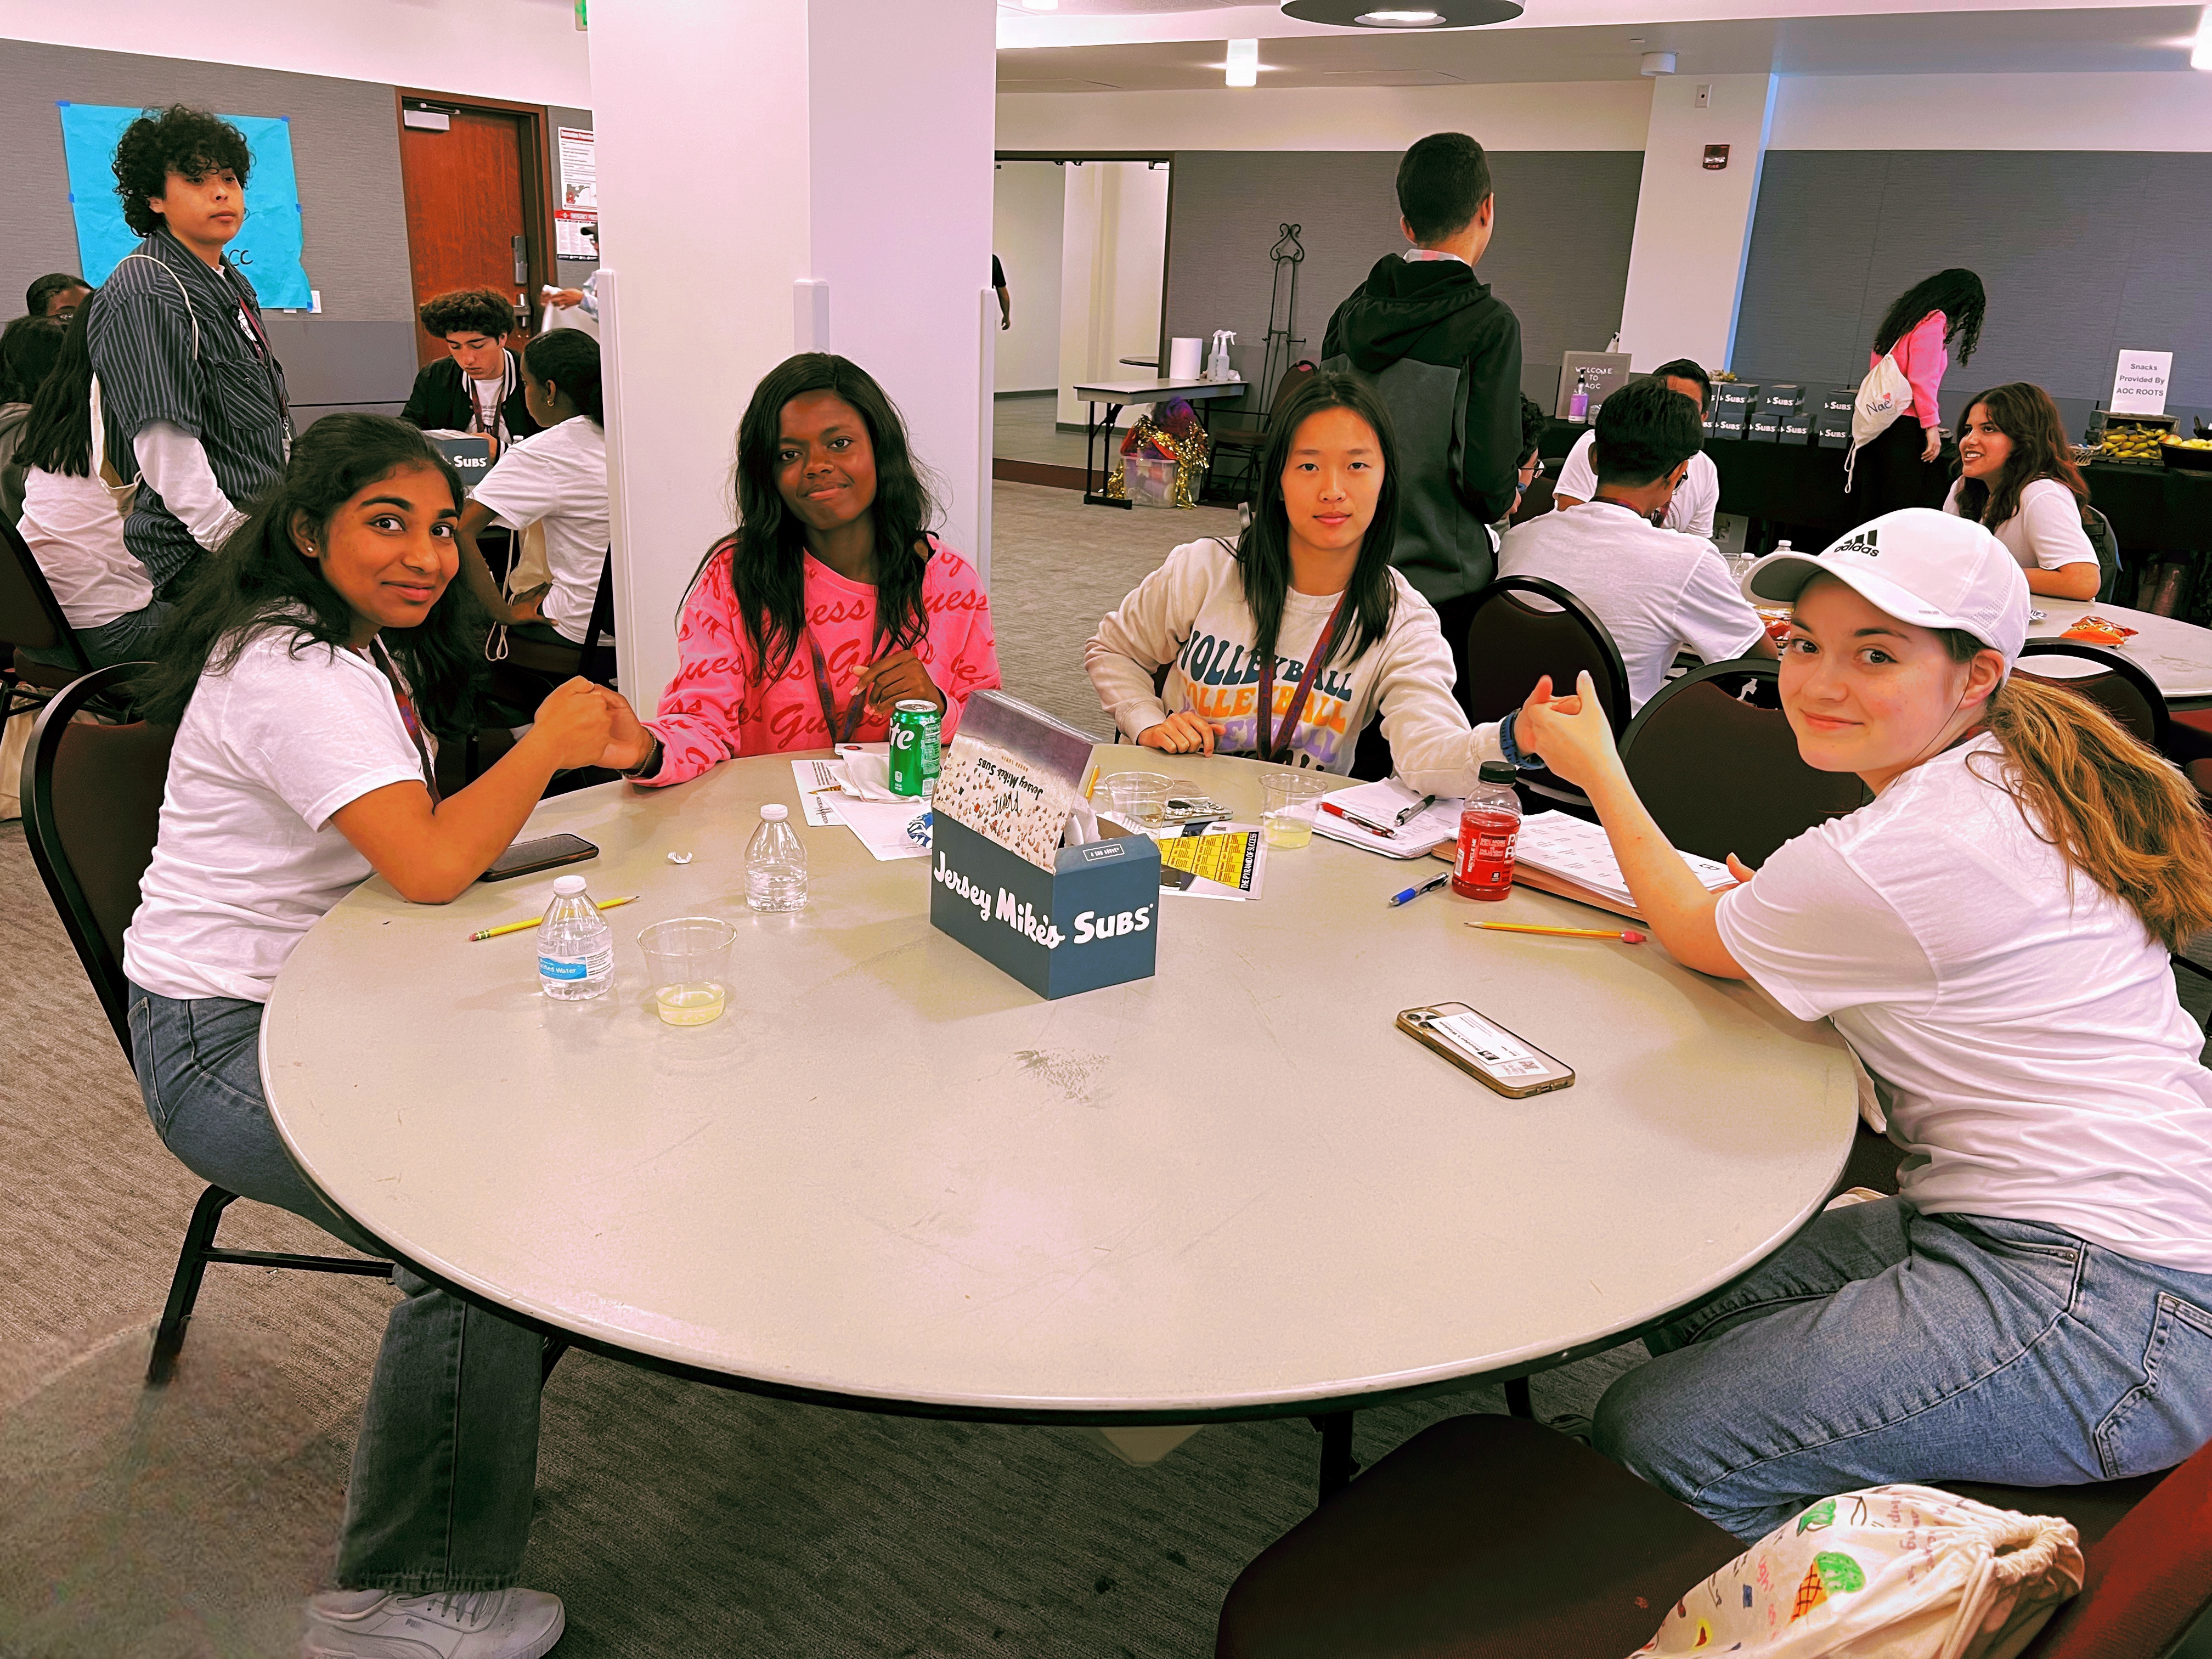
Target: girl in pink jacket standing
point(1897, 469)
point(830, 602)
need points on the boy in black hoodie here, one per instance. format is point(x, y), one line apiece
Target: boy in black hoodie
point(1445, 352)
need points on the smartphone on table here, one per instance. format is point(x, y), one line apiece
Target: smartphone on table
point(1484, 1051)
point(527, 858)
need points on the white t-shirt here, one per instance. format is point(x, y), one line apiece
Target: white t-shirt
point(1696, 501)
point(559, 475)
point(247, 859)
point(76, 535)
point(2047, 532)
point(1659, 591)
point(486, 395)
point(2023, 1026)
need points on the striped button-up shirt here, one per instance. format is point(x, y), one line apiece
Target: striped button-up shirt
point(228, 392)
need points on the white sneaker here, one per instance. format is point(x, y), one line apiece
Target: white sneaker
point(1851, 1195)
point(508, 1624)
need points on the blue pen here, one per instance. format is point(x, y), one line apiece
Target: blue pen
point(1412, 893)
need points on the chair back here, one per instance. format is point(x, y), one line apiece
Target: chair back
point(2107, 548)
point(2149, 1578)
point(29, 614)
point(92, 808)
point(586, 658)
point(2116, 685)
point(1522, 628)
point(1721, 773)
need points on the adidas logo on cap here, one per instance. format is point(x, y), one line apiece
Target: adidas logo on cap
point(1866, 540)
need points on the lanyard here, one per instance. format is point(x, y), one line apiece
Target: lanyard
point(257, 337)
point(855, 710)
point(1305, 684)
point(408, 719)
point(497, 429)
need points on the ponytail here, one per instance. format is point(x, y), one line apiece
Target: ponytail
point(2119, 811)
point(569, 358)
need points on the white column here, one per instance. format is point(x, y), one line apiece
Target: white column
point(1692, 223)
point(745, 146)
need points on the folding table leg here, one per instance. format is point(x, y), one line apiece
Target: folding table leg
point(1338, 1465)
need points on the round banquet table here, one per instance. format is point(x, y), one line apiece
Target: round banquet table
point(891, 1177)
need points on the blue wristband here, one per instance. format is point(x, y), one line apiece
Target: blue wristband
point(1507, 748)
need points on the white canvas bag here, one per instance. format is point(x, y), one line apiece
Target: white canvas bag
point(1883, 395)
point(1891, 1572)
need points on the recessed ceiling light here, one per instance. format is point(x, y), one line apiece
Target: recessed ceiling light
point(1243, 65)
point(2200, 54)
point(1041, 5)
point(1399, 20)
point(1411, 15)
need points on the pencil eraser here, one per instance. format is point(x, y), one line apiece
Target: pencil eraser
point(1629, 936)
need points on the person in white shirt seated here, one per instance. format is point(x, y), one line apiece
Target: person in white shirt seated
point(1658, 591)
point(2016, 475)
point(1692, 507)
point(309, 662)
point(1286, 645)
point(558, 477)
point(1990, 935)
point(72, 523)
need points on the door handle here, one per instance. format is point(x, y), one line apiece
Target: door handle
point(521, 260)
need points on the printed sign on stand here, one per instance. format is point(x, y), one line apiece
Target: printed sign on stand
point(2139, 384)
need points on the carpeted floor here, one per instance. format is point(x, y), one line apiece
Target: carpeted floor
point(673, 1518)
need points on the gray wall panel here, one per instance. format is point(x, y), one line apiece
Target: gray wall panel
point(1560, 257)
point(2083, 253)
point(328, 361)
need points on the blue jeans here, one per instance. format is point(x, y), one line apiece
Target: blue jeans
point(445, 1466)
point(127, 639)
point(1882, 1345)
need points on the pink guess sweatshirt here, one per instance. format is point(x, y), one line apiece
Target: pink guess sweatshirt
point(1923, 357)
point(717, 706)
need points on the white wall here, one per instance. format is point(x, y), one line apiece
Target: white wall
point(1025, 233)
point(2148, 112)
point(1692, 226)
point(1566, 115)
point(1113, 258)
point(529, 51)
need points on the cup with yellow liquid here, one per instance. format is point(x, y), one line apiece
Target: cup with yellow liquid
point(1288, 801)
point(687, 962)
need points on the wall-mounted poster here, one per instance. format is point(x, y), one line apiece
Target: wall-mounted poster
point(579, 196)
point(268, 246)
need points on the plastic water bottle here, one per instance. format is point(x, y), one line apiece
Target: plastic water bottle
point(775, 864)
point(575, 948)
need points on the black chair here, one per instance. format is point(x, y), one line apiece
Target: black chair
point(91, 807)
point(2107, 548)
point(1574, 1558)
point(1720, 771)
point(2118, 687)
point(1522, 627)
point(1236, 449)
point(31, 617)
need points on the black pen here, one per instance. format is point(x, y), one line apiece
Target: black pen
point(1412, 893)
point(1416, 810)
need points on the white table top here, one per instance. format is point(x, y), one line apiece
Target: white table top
point(2177, 655)
point(1158, 391)
point(891, 1173)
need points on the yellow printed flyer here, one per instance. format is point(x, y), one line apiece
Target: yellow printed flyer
point(1213, 861)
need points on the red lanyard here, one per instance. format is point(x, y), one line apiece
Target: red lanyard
point(855, 710)
point(1314, 659)
point(408, 718)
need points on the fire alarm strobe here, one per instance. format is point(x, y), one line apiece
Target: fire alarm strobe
point(1716, 157)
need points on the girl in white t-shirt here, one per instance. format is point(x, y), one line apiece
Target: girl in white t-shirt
point(2017, 476)
point(1991, 936)
point(303, 672)
point(1284, 646)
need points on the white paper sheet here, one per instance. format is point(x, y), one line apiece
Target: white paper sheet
point(1384, 802)
point(883, 827)
point(1560, 844)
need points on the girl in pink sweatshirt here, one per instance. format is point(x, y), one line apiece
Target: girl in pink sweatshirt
point(831, 603)
point(1897, 470)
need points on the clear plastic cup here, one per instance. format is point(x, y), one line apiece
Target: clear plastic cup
point(687, 962)
point(1137, 798)
point(1288, 803)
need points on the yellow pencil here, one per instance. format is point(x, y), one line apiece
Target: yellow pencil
point(1627, 936)
point(517, 926)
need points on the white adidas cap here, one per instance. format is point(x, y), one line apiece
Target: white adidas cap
point(1932, 568)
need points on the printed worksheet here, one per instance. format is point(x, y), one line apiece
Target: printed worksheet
point(1213, 861)
point(1559, 844)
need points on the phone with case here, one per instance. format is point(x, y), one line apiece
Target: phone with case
point(1484, 1051)
point(527, 858)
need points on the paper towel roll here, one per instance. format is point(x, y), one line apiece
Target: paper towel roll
point(1183, 359)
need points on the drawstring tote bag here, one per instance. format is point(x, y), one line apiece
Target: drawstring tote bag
point(1883, 395)
point(1891, 1572)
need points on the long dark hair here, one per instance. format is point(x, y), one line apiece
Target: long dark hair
point(28, 347)
point(1957, 293)
point(58, 432)
point(2024, 413)
point(1263, 551)
point(766, 551)
point(260, 581)
point(569, 358)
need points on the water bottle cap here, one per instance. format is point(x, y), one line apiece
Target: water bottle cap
point(567, 886)
point(776, 812)
point(1498, 772)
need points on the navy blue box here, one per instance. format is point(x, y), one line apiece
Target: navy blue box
point(1092, 920)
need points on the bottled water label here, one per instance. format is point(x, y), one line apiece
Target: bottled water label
point(552, 970)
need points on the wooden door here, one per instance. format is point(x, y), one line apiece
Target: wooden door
point(467, 209)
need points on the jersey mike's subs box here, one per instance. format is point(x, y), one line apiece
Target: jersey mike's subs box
point(1060, 918)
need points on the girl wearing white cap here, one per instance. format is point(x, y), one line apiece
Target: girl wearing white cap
point(1990, 935)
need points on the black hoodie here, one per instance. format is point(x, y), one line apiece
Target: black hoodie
point(1445, 352)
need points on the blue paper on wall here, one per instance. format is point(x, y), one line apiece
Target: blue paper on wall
point(268, 246)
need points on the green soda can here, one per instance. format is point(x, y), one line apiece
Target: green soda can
point(914, 748)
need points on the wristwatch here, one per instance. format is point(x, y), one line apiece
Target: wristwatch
point(1511, 750)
